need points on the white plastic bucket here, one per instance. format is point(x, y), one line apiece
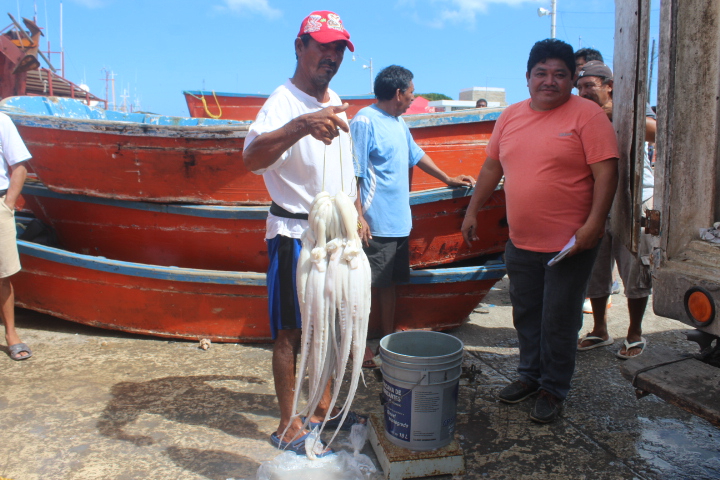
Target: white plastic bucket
point(420, 371)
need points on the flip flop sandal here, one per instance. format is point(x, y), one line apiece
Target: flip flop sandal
point(641, 345)
point(297, 445)
point(368, 359)
point(17, 349)
point(351, 419)
point(597, 342)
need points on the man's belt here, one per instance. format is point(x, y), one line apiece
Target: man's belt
point(3, 192)
point(278, 211)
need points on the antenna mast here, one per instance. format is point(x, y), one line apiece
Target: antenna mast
point(62, 50)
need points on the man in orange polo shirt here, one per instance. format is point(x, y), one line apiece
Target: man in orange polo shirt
point(558, 153)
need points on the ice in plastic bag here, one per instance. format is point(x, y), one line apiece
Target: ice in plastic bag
point(339, 466)
point(358, 437)
point(313, 445)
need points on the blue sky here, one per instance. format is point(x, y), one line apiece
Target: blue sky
point(158, 48)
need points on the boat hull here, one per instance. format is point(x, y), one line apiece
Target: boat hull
point(233, 238)
point(155, 163)
point(455, 141)
point(203, 104)
point(221, 306)
point(174, 162)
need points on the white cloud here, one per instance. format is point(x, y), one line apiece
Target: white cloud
point(250, 7)
point(465, 11)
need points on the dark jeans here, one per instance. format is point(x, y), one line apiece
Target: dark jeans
point(547, 313)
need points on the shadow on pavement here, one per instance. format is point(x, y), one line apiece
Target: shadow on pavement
point(190, 400)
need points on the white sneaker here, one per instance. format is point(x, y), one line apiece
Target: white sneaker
point(587, 306)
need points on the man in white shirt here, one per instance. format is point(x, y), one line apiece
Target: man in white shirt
point(12, 177)
point(300, 144)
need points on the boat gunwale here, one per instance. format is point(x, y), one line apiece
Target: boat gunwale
point(48, 111)
point(231, 212)
point(416, 120)
point(421, 197)
point(179, 274)
point(247, 212)
point(210, 93)
point(456, 117)
point(119, 127)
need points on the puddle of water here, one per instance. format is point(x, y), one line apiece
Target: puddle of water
point(681, 449)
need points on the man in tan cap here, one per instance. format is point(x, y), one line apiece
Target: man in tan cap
point(300, 144)
point(595, 82)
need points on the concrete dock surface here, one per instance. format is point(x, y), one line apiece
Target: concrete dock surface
point(98, 404)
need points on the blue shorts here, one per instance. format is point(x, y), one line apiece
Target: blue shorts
point(283, 303)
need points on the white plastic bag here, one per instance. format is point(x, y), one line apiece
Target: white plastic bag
point(339, 466)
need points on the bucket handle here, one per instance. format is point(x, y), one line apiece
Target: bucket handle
point(384, 399)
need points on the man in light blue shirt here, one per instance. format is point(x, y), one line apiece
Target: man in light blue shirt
point(384, 154)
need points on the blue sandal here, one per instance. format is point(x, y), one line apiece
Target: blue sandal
point(297, 445)
point(17, 349)
point(351, 419)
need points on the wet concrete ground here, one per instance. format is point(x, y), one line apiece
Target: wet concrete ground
point(96, 404)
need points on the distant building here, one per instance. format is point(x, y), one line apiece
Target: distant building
point(494, 96)
point(451, 105)
point(469, 96)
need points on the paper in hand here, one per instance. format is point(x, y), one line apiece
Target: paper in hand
point(562, 253)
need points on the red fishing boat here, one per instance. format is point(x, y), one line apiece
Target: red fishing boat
point(222, 306)
point(455, 140)
point(245, 106)
point(232, 238)
point(172, 159)
point(87, 150)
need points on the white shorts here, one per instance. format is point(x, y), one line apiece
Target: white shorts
point(9, 257)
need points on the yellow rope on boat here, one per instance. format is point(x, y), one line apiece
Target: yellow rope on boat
point(202, 99)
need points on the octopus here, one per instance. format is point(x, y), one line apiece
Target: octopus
point(333, 284)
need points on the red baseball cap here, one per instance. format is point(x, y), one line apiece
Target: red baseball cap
point(325, 27)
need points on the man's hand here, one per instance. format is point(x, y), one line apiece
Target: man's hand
point(324, 123)
point(469, 229)
point(267, 148)
point(489, 177)
point(461, 181)
point(428, 166)
point(586, 237)
point(364, 231)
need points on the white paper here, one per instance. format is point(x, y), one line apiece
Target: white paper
point(562, 253)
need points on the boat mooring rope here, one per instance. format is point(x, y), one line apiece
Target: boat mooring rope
point(217, 102)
